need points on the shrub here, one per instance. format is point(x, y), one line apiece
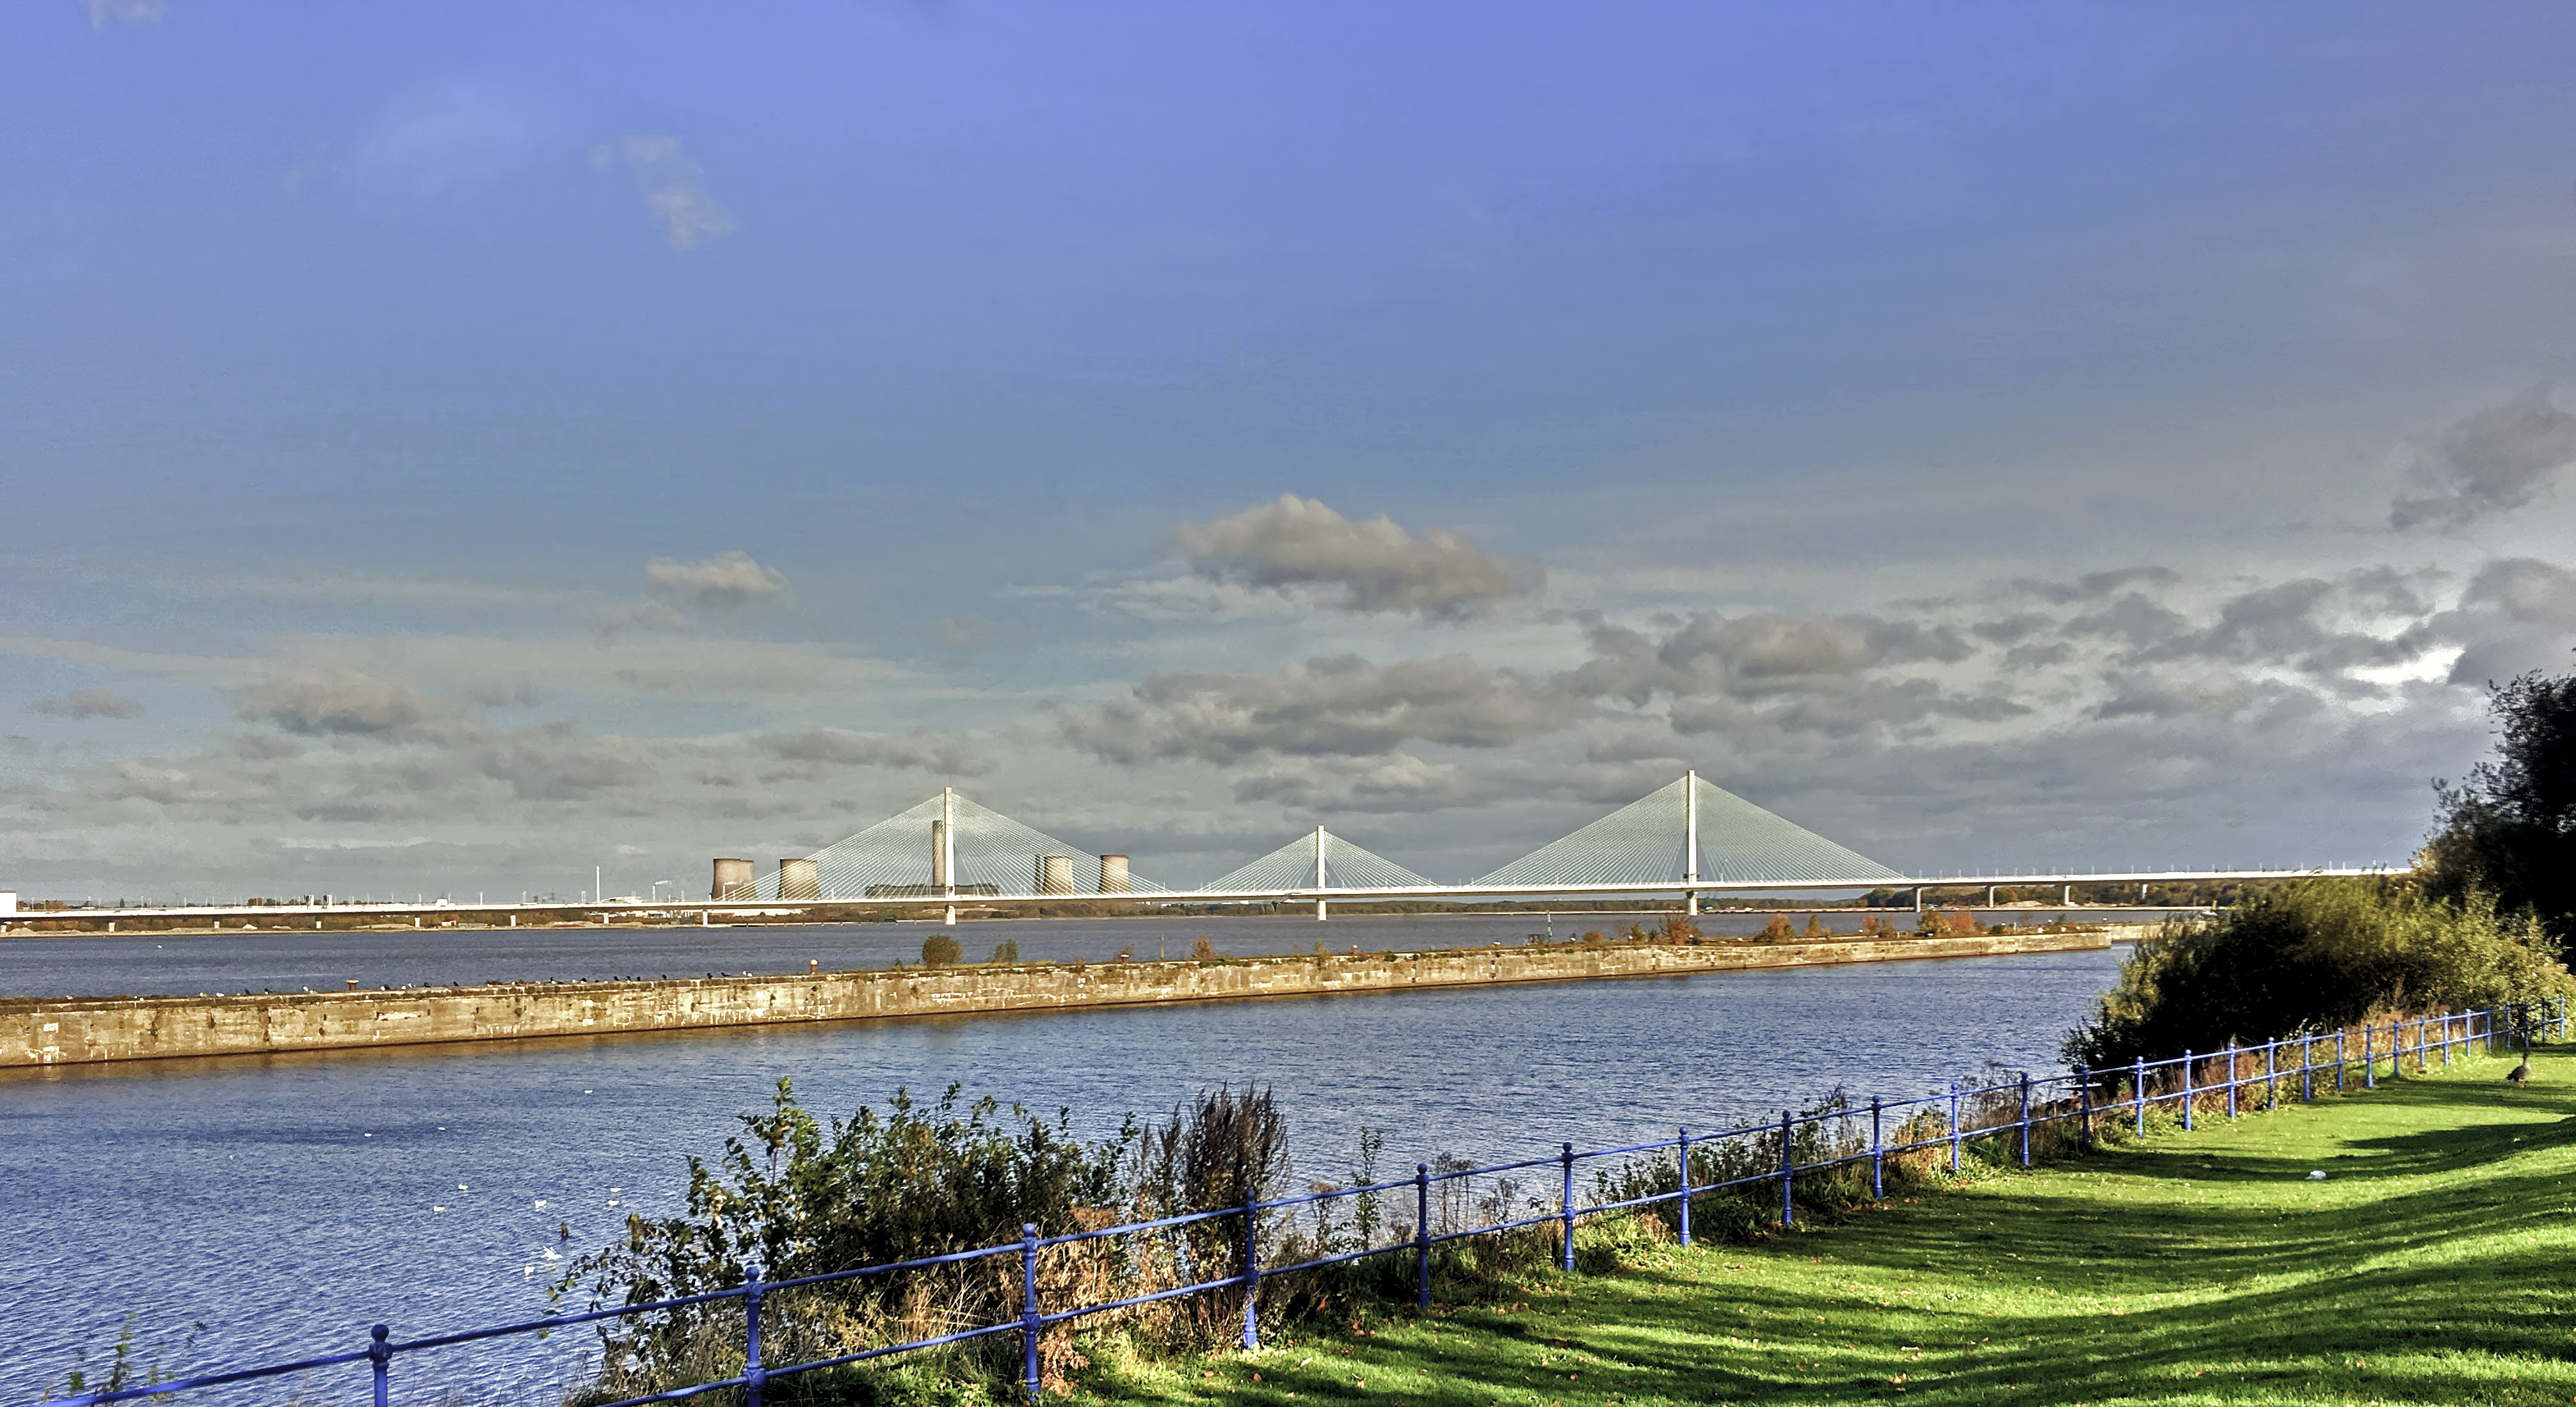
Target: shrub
point(2312, 955)
point(939, 950)
point(1778, 930)
point(1204, 950)
point(1816, 927)
point(1957, 923)
point(796, 1196)
point(1006, 951)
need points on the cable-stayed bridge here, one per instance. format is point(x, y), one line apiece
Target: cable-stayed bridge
point(1686, 839)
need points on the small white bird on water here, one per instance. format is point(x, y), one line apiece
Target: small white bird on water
point(460, 1187)
point(436, 1207)
point(541, 1204)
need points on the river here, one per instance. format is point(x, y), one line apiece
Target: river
point(286, 1202)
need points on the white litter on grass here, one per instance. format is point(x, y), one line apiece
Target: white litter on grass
point(2317, 1176)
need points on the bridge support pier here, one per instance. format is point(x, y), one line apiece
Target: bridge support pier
point(1694, 903)
point(1918, 898)
point(1320, 909)
point(951, 920)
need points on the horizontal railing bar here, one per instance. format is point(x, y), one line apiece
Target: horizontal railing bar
point(237, 1375)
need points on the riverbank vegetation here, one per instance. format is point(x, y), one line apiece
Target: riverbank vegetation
point(2314, 956)
point(2426, 1265)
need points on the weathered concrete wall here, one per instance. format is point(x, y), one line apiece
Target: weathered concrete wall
point(87, 1030)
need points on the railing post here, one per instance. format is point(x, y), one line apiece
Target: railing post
point(380, 1357)
point(1954, 1127)
point(1877, 1161)
point(2369, 1058)
point(1686, 1188)
point(2186, 1089)
point(2271, 1076)
point(2231, 1079)
point(2307, 1068)
point(2450, 1024)
point(1565, 1210)
point(754, 1377)
point(2138, 1095)
point(1032, 1324)
point(1251, 1267)
point(2084, 1106)
point(1422, 1235)
point(1788, 1171)
point(2025, 1120)
point(2341, 1059)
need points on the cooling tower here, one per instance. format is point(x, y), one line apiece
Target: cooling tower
point(1113, 874)
point(796, 880)
point(733, 881)
point(1055, 874)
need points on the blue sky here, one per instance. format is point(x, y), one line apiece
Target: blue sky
point(450, 448)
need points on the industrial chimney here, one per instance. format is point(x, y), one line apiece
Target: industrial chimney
point(733, 881)
point(796, 880)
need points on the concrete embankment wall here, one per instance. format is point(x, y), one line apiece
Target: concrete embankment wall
point(91, 1030)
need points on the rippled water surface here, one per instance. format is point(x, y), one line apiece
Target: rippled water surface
point(287, 1202)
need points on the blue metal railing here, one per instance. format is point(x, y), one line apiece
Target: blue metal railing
point(1937, 1120)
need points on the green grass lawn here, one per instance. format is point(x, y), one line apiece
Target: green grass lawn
point(2433, 1264)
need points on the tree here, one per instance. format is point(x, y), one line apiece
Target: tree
point(938, 950)
point(2510, 828)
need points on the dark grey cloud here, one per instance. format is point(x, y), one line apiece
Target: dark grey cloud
point(317, 701)
point(1337, 706)
point(89, 703)
point(1755, 655)
point(2293, 624)
point(946, 754)
point(1372, 566)
point(2517, 614)
point(2491, 461)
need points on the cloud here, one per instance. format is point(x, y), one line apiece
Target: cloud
point(2517, 614)
point(319, 701)
point(1754, 655)
point(1341, 706)
point(89, 703)
point(103, 13)
point(727, 581)
point(673, 187)
point(1372, 566)
point(947, 754)
point(2490, 462)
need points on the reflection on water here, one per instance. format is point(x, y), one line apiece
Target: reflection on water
point(288, 1202)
